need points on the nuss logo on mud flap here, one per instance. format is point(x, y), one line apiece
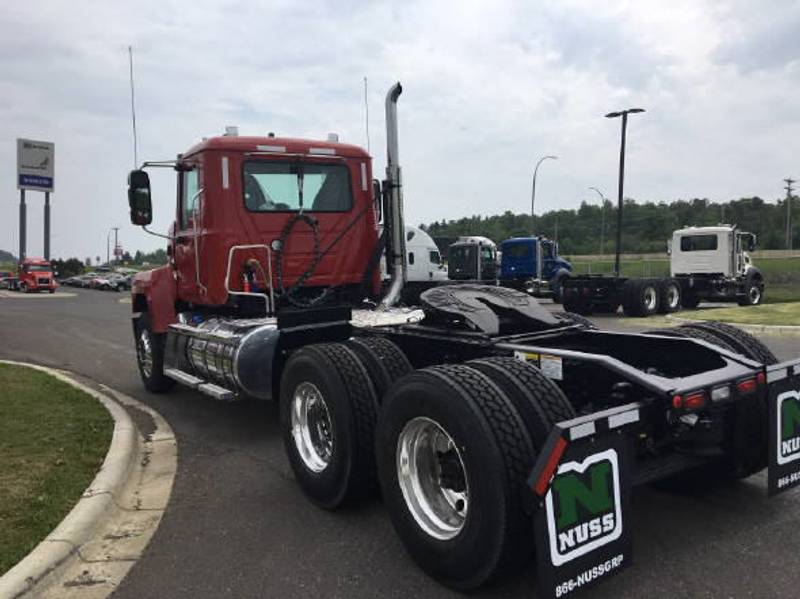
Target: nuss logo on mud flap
point(788, 438)
point(584, 507)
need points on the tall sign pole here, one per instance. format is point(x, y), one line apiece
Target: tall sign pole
point(35, 170)
point(23, 223)
point(789, 190)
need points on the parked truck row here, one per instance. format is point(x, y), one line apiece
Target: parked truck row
point(473, 414)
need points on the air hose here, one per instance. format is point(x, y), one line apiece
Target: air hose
point(291, 292)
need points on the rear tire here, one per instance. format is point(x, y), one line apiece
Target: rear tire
point(384, 361)
point(459, 512)
point(740, 341)
point(150, 356)
point(669, 296)
point(328, 412)
point(640, 297)
point(747, 449)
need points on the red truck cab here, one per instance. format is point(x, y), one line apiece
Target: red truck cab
point(299, 214)
point(36, 274)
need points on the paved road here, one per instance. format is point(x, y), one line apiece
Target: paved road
point(238, 526)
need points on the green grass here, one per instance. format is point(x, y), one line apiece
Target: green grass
point(781, 275)
point(53, 439)
point(770, 314)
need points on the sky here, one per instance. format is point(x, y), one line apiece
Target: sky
point(489, 88)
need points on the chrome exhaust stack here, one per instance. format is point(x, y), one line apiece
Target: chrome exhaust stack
point(393, 215)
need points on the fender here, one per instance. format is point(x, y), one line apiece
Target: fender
point(159, 290)
point(561, 273)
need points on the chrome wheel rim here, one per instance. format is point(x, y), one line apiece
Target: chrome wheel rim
point(755, 294)
point(673, 296)
point(650, 298)
point(432, 477)
point(311, 427)
point(145, 353)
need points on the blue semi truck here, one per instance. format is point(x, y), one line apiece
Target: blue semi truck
point(532, 264)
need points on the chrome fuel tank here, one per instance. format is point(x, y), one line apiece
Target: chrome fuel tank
point(237, 354)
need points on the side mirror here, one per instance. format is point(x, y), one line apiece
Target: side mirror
point(669, 247)
point(139, 198)
point(751, 242)
point(377, 200)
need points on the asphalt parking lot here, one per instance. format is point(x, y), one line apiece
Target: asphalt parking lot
point(238, 526)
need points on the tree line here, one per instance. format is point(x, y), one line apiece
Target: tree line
point(645, 226)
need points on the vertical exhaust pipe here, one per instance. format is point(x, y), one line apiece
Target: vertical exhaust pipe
point(393, 216)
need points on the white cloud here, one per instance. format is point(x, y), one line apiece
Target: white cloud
point(489, 87)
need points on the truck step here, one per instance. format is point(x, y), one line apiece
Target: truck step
point(217, 392)
point(184, 378)
point(193, 382)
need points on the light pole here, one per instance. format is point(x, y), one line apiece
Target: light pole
point(108, 252)
point(602, 216)
point(533, 187)
point(612, 115)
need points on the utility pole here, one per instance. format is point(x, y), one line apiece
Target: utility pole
point(789, 190)
point(116, 244)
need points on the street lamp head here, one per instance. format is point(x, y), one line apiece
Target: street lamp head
point(613, 115)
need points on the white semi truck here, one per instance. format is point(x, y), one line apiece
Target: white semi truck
point(713, 264)
point(706, 264)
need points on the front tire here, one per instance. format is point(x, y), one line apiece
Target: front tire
point(753, 292)
point(150, 356)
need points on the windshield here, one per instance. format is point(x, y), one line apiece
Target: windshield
point(290, 187)
point(517, 250)
point(37, 268)
point(698, 243)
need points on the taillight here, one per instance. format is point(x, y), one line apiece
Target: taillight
point(761, 378)
point(692, 401)
point(747, 386)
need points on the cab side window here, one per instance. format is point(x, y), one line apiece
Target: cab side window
point(190, 199)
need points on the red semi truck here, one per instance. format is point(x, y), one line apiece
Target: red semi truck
point(495, 428)
point(35, 275)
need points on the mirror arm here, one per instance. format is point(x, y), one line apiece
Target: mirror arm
point(167, 237)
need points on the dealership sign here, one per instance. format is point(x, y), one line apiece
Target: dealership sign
point(35, 164)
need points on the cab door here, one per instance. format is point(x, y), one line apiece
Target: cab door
point(189, 234)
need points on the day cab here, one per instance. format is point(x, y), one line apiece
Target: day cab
point(533, 263)
point(260, 213)
point(35, 275)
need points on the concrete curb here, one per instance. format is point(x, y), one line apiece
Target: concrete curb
point(750, 328)
point(79, 525)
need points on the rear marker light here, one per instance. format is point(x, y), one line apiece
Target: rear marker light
point(761, 378)
point(746, 386)
point(693, 401)
point(720, 393)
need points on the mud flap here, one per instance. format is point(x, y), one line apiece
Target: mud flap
point(582, 480)
point(784, 426)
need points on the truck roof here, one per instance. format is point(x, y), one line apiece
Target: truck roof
point(522, 239)
point(278, 145)
point(34, 260)
point(700, 230)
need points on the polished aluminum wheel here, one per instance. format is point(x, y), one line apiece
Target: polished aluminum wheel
point(432, 477)
point(144, 351)
point(755, 294)
point(311, 427)
point(673, 297)
point(650, 298)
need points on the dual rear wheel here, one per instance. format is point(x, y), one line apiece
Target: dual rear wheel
point(451, 447)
